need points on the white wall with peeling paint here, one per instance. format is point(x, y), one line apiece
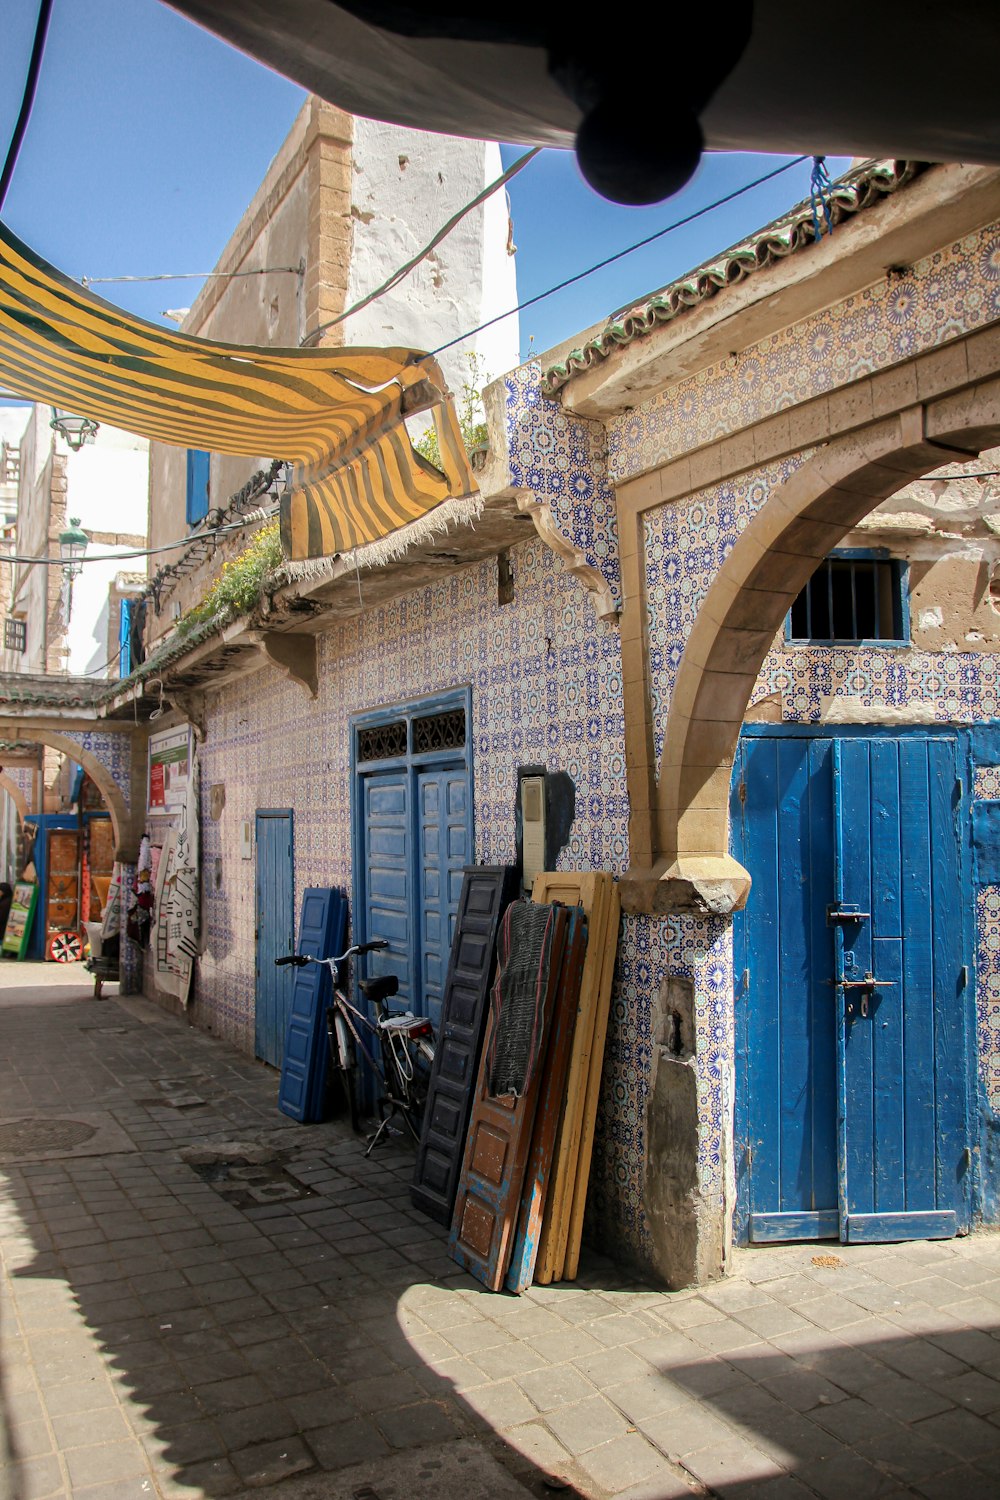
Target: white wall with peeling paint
point(407, 184)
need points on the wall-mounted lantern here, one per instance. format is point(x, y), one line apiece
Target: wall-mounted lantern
point(76, 430)
point(72, 547)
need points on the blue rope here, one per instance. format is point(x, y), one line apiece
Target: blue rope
point(819, 197)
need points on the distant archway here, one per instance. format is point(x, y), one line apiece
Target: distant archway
point(15, 794)
point(801, 521)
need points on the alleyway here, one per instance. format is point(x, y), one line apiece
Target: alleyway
point(200, 1298)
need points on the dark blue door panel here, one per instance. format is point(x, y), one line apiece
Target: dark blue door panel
point(275, 917)
point(322, 930)
point(786, 1121)
point(902, 1042)
point(852, 1102)
point(388, 886)
point(445, 850)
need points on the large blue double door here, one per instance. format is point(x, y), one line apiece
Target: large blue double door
point(417, 840)
point(853, 1110)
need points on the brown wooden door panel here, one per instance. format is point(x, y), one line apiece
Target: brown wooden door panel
point(550, 1109)
point(102, 846)
point(497, 1147)
point(593, 889)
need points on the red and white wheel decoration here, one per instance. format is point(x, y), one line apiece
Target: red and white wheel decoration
point(66, 947)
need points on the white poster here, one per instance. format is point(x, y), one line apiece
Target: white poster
point(170, 762)
point(177, 905)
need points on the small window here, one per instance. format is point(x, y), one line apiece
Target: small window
point(15, 635)
point(382, 741)
point(198, 464)
point(439, 732)
point(850, 599)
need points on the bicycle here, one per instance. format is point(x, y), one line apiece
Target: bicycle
point(405, 1044)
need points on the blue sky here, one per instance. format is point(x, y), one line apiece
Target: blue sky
point(149, 137)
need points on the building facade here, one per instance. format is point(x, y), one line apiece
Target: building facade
point(734, 579)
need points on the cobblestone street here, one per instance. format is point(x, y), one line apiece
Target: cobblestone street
point(202, 1299)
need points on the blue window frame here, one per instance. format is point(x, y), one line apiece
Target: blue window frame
point(853, 598)
point(198, 464)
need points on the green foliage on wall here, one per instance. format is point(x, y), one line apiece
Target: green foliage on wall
point(469, 408)
point(239, 587)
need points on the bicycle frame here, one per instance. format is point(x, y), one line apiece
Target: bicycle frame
point(400, 1035)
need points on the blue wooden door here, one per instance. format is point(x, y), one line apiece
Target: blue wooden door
point(388, 885)
point(444, 837)
point(275, 917)
point(852, 1098)
point(417, 842)
point(900, 978)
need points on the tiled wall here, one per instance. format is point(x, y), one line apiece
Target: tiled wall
point(945, 294)
point(563, 460)
point(546, 688)
point(113, 750)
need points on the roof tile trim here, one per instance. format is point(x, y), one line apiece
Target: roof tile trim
point(855, 191)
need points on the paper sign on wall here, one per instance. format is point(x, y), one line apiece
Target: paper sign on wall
point(169, 769)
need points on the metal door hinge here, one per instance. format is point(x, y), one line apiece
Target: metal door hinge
point(741, 792)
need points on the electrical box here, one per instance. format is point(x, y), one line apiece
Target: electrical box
point(532, 790)
point(246, 839)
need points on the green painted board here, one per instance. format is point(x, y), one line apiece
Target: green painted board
point(22, 912)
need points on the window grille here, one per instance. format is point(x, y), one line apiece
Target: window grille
point(382, 741)
point(848, 600)
point(439, 731)
point(15, 635)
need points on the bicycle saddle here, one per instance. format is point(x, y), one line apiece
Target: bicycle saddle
point(379, 989)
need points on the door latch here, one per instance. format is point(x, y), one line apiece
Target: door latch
point(866, 986)
point(845, 911)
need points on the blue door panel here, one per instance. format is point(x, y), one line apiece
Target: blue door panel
point(275, 894)
point(853, 1101)
point(388, 894)
point(322, 930)
point(786, 1120)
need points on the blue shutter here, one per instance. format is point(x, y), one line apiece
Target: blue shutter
point(198, 465)
point(125, 639)
point(322, 929)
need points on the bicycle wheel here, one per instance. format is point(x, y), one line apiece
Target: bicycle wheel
point(344, 1059)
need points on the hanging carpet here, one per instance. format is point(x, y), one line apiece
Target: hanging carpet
point(337, 415)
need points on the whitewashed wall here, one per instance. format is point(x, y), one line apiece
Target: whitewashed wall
point(407, 183)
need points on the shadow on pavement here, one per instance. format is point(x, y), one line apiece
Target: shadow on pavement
point(204, 1298)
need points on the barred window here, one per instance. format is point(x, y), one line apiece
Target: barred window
point(15, 635)
point(851, 599)
point(382, 741)
point(439, 731)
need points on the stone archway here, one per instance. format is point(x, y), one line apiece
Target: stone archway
point(114, 801)
point(15, 794)
point(800, 522)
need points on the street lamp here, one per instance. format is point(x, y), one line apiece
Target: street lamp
point(76, 430)
point(72, 546)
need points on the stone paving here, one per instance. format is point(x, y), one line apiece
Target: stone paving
point(202, 1299)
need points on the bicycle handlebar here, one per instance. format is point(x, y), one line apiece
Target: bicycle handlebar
point(298, 960)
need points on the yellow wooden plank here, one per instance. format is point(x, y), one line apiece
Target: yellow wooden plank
point(591, 889)
point(572, 1261)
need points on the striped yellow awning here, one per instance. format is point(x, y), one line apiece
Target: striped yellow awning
point(335, 414)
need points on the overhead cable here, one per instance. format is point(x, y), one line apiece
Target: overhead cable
point(28, 97)
point(620, 254)
point(404, 270)
point(298, 270)
point(187, 542)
